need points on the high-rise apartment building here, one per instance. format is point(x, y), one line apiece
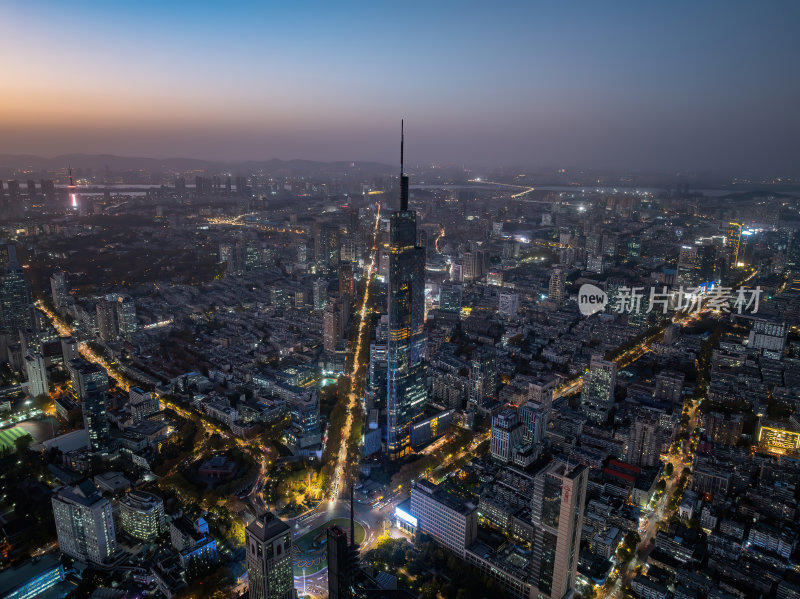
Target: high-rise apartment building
point(508, 304)
point(644, 442)
point(319, 292)
point(327, 247)
point(84, 523)
point(483, 376)
point(107, 318)
point(557, 289)
point(406, 348)
point(597, 395)
point(506, 435)
point(94, 418)
point(37, 374)
point(332, 326)
point(268, 546)
point(669, 386)
point(59, 290)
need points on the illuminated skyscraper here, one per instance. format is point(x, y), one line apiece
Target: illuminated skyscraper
point(126, 315)
point(688, 266)
point(406, 378)
point(94, 418)
point(732, 242)
point(483, 376)
point(16, 301)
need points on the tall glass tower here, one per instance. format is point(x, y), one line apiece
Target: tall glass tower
point(16, 301)
point(405, 396)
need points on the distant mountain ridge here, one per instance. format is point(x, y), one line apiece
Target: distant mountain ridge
point(122, 163)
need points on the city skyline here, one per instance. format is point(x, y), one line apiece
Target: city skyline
point(638, 88)
point(554, 355)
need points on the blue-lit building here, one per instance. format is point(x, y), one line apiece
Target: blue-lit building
point(405, 397)
point(31, 579)
point(197, 548)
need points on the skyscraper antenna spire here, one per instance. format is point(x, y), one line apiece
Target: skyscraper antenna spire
point(403, 177)
point(402, 142)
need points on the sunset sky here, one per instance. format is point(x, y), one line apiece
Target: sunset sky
point(639, 85)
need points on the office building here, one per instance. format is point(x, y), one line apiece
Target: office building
point(141, 515)
point(597, 395)
point(31, 579)
point(483, 376)
point(126, 316)
point(450, 520)
point(644, 442)
point(557, 514)
point(533, 420)
point(82, 373)
point(84, 524)
point(37, 374)
point(16, 300)
point(778, 437)
point(506, 435)
point(197, 549)
point(268, 546)
point(142, 404)
point(450, 297)
point(688, 274)
point(95, 420)
point(768, 335)
point(406, 347)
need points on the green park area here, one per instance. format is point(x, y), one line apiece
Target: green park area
point(311, 550)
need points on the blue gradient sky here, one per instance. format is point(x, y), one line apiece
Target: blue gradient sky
point(634, 85)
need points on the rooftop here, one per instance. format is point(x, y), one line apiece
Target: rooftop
point(267, 527)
